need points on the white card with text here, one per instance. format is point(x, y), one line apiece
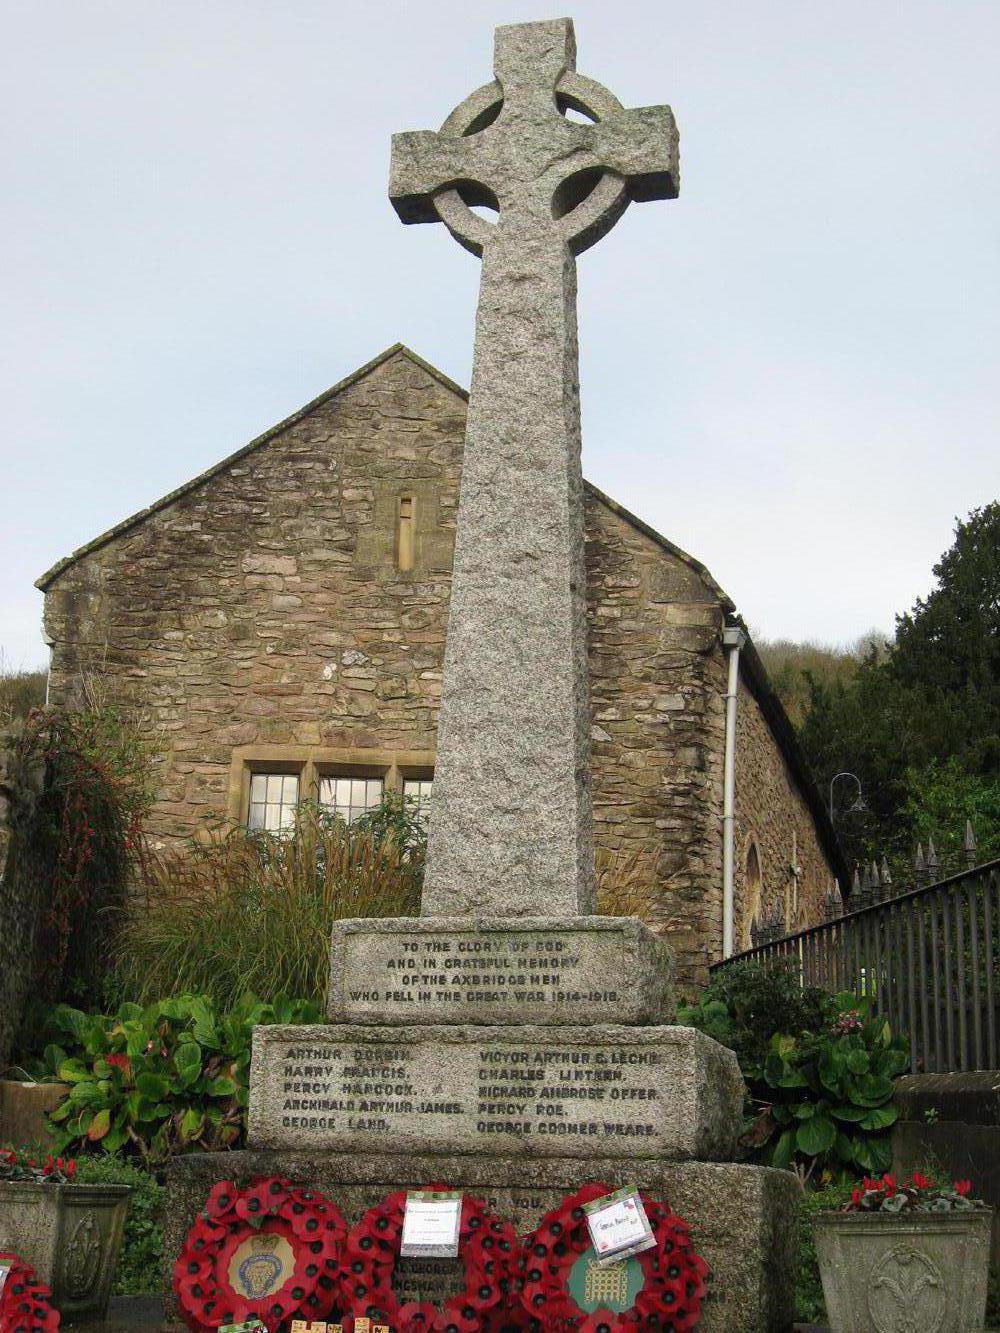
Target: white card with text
point(4, 1275)
point(618, 1225)
point(431, 1223)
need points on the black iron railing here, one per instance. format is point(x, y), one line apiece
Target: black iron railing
point(927, 960)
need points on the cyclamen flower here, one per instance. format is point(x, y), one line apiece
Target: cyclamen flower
point(857, 1195)
point(963, 1187)
point(919, 1181)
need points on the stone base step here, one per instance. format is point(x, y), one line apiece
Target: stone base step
point(743, 1219)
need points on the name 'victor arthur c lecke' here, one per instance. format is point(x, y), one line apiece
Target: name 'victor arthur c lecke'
point(509, 1041)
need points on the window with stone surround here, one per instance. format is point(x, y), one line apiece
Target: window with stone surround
point(752, 895)
point(266, 782)
point(406, 530)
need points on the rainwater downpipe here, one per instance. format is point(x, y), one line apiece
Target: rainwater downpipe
point(733, 639)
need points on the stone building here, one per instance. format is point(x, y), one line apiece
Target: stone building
point(281, 622)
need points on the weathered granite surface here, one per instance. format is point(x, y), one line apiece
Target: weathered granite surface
point(925, 1272)
point(511, 818)
point(70, 1235)
point(483, 970)
point(616, 1091)
point(742, 1218)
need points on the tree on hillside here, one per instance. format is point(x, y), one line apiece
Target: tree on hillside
point(920, 725)
point(947, 650)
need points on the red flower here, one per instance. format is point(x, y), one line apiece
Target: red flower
point(120, 1061)
point(963, 1187)
point(890, 1184)
point(857, 1195)
point(600, 1321)
point(919, 1181)
point(221, 1198)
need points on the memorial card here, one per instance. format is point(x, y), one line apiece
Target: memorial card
point(4, 1274)
point(618, 1226)
point(248, 1326)
point(431, 1224)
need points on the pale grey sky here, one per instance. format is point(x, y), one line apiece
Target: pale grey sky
point(792, 370)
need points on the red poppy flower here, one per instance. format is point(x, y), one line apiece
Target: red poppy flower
point(221, 1199)
point(601, 1321)
point(416, 1317)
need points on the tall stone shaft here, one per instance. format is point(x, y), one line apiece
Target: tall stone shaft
point(511, 828)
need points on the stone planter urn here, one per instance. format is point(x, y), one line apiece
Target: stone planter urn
point(70, 1234)
point(919, 1272)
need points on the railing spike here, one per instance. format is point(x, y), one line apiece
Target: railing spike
point(932, 859)
point(969, 845)
point(886, 876)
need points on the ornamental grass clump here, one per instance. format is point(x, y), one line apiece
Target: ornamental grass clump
point(920, 1194)
point(246, 913)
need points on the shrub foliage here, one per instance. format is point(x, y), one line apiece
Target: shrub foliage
point(818, 1069)
point(170, 1077)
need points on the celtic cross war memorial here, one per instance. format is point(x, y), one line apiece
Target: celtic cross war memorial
point(509, 1042)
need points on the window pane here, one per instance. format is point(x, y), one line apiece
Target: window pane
point(417, 794)
point(273, 798)
point(350, 797)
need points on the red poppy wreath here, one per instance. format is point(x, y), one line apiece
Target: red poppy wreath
point(270, 1251)
point(563, 1287)
point(487, 1247)
point(24, 1301)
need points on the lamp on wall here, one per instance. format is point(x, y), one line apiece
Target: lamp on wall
point(859, 801)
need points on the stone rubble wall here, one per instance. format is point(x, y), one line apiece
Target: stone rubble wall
point(264, 608)
point(772, 816)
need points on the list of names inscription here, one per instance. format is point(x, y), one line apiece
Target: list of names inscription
point(553, 1098)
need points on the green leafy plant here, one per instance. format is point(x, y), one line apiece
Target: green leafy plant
point(252, 913)
point(167, 1078)
point(140, 1262)
point(829, 1096)
point(76, 787)
point(744, 1005)
point(818, 1070)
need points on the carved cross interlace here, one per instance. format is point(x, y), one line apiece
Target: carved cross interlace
point(510, 145)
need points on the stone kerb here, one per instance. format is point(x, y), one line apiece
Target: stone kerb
point(623, 1092)
point(475, 970)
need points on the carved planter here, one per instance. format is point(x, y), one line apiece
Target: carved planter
point(914, 1273)
point(23, 1108)
point(70, 1234)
